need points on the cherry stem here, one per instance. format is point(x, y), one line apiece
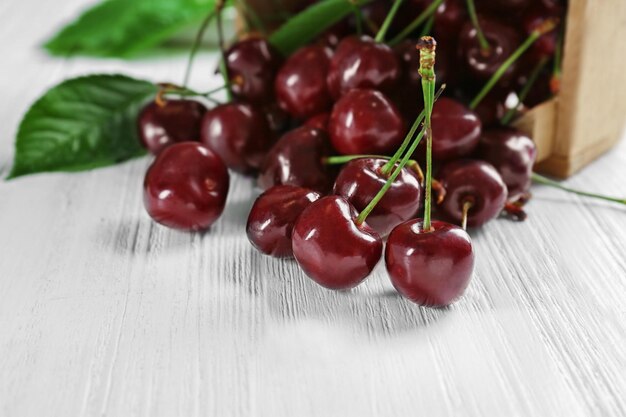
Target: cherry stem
point(546, 27)
point(540, 179)
point(219, 6)
point(403, 162)
point(196, 44)
point(167, 89)
point(428, 26)
point(344, 159)
point(427, 47)
point(482, 41)
point(555, 82)
point(421, 18)
point(467, 205)
point(521, 97)
point(358, 16)
point(386, 169)
point(380, 36)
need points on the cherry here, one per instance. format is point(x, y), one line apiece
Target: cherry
point(176, 121)
point(298, 159)
point(251, 65)
point(449, 18)
point(277, 119)
point(186, 187)
point(365, 122)
point(513, 154)
point(360, 62)
point(300, 85)
point(319, 121)
point(239, 134)
point(331, 248)
point(429, 267)
point(456, 129)
point(361, 179)
point(505, 5)
point(482, 64)
point(545, 46)
point(272, 217)
point(475, 183)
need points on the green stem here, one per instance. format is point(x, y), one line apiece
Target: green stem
point(196, 44)
point(405, 159)
point(428, 27)
point(427, 47)
point(386, 169)
point(429, 11)
point(482, 41)
point(536, 34)
point(540, 179)
point(344, 159)
point(532, 79)
point(250, 15)
point(358, 17)
point(380, 36)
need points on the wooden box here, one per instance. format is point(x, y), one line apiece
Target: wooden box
point(589, 115)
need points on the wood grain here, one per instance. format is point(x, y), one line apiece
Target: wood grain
point(103, 313)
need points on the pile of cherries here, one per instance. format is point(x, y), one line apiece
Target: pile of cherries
point(324, 130)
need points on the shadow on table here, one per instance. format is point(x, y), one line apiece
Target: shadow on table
point(371, 309)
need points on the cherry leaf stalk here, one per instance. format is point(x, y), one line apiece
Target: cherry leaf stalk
point(546, 27)
point(427, 47)
point(540, 179)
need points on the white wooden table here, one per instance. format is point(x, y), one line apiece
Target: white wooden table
point(103, 313)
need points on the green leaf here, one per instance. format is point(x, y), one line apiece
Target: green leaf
point(123, 28)
point(314, 20)
point(80, 124)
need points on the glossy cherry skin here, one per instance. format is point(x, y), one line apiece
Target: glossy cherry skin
point(365, 122)
point(431, 268)
point(456, 129)
point(360, 62)
point(300, 84)
point(319, 121)
point(361, 179)
point(239, 134)
point(252, 64)
point(503, 41)
point(504, 5)
point(330, 248)
point(449, 19)
point(176, 121)
point(297, 159)
point(273, 215)
point(477, 182)
point(186, 186)
point(513, 155)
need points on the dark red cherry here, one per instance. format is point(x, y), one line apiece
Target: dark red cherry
point(361, 179)
point(298, 159)
point(504, 6)
point(449, 18)
point(360, 62)
point(300, 85)
point(430, 268)
point(319, 121)
point(162, 125)
point(475, 182)
point(252, 64)
point(513, 155)
point(329, 246)
point(186, 187)
point(545, 46)
point(239, 134)
point(365, 122)
point(503, 41)
point(277, 119)
point(273, 215)
point(456, 129)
